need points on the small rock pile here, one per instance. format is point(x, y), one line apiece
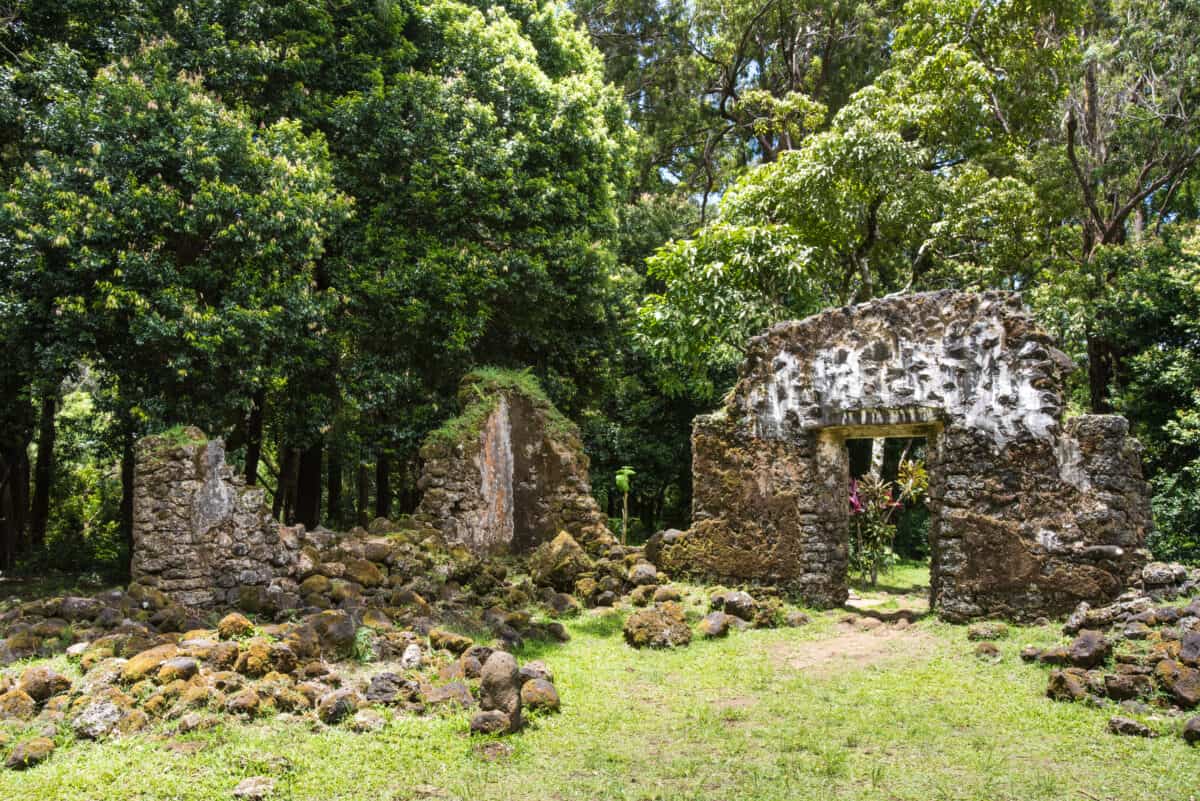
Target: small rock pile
point(1138, 652)
point(664, 625)
point(505, 688)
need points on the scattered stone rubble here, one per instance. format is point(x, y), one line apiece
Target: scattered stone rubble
point(1141, 652)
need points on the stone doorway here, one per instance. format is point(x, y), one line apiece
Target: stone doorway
point(1031, 512)
point(880, 450)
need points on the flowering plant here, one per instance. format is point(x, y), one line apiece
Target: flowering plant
point(873, 504)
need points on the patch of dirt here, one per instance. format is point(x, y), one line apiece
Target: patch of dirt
point(851, 649)
point(494, 751)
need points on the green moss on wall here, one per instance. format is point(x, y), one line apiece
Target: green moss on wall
point(478, 395)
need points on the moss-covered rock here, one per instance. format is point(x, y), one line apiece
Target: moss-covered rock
point(17, 705)
point(234, 626)
point(147, 663)
point(559, 563)
point(29, 753)
point(660, 627)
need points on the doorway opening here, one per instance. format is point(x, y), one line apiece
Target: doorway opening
point(887, 471)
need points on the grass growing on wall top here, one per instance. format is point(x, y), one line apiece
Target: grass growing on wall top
point(478, 395)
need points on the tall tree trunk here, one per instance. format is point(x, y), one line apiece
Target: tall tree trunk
point(128, 435)
point(14, 501)
point(333, 485)
point(308, 486)
point(8, 527)
point(254, 435)
point(43, 475)
point(1100, 372)
point(383, 485)
point(878, 447)
point(285, 492)
point(362, 480)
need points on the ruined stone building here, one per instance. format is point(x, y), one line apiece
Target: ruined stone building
point(1030, 512)
point(509, 472)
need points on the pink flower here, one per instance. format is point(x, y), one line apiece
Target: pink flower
point(856, 504)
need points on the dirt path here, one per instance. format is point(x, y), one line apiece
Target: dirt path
point(851, 648)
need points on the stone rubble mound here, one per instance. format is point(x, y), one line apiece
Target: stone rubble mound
point(1141, 652)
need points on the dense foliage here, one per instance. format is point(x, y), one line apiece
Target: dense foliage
point(299, 224)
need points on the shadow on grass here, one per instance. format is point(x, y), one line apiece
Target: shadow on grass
point(608, 624)
point(889, 589)
point(889, 615)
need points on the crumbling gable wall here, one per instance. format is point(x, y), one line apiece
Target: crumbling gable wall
point(509, 472)
point(199, 534)
point(1029, 515)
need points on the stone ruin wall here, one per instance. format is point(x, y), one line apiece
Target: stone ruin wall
point(205, 539)
point(199, 534)
point(510, 488)
point(1028, 515)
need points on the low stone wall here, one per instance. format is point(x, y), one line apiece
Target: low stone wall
point(199, 535)
point(511, 477)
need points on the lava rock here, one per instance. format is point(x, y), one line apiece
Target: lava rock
point(740, 604)
point(41, 682)
point(234, 626)
point(1181, 682)
point(1067, 685)
point(643, 574)
point(500, 687)
point(559, 563)
point(1129, 728)
point(390, 688)
point(336, 706)
point(660, 627)
point(987, 630)
point(29, 753)
point(17, 705)
point(254, 788)
point(490, 721)
point(715, 624)
point(450, 641)
point(540, 695)
point(1089, 649)
point(988, 652)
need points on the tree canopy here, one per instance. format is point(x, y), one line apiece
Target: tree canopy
point(298, 224)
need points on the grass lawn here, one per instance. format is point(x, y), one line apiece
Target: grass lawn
point(819, 712)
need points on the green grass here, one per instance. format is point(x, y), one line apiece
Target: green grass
point(728, 719)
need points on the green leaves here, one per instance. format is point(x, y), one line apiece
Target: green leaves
point(159, 232)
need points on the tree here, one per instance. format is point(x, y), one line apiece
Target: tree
point(923, 178)
point(716, 85)
point(1132, 139)
point(162, 234)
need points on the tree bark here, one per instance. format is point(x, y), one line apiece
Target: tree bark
point(43, 474)
point(285, 492)
point(254, 434)
point(383, 489)
point(333, 486)
point(8, 528)
point(308, 486)
point(362, 478)
point(14, 498)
